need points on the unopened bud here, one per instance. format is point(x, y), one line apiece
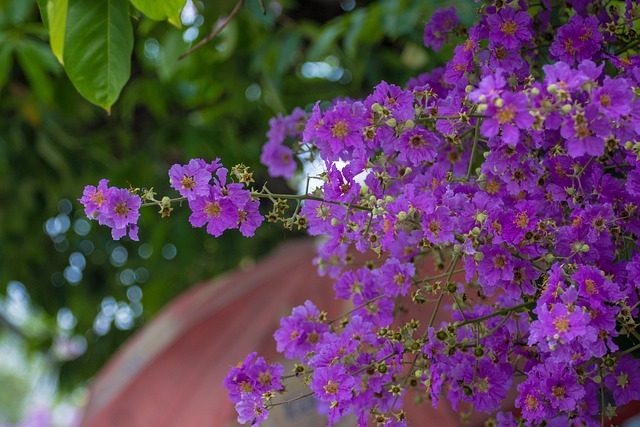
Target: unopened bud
point(402, 215)
point(481, 108)
point(552, 88)
point(409, 124)
point(535, 91)
point(566, 108)
point(499, 102)
point(392, 122)
point(468, 89)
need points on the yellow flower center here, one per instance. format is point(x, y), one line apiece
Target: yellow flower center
point(187, 182)
point(340, 129)
point(121, 209)
point(531, 403)
point(509, 27)
point(434, 227)
point(212, 209)
point(417, 141)
point(522, 220)
point(558, 391)
point(561, 323)
point(331, 387)
point(98, 198)
point(506, 115)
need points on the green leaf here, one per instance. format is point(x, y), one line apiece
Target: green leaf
point(35, 66)
point(17, 11)
point(5, 63)
point(173, 9)
point(97, 48)
point(57, 13)
point(151, 8)
point(161, 10)
point(44, 13)
point(327, 40)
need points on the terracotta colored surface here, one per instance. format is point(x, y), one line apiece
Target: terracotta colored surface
point(170, 373)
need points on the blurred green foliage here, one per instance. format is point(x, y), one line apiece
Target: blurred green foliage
point(214, 103)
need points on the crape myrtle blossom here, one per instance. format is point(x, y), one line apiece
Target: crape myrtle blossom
point(502, 187)
point(114, 207)
point(441, 22)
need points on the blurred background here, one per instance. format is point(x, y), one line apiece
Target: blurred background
point(69, 295)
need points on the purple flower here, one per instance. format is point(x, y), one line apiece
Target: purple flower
point(510, 113)
point(332, 383)
point(509, 28)
point(578, 40)
point(624, 380)
point(339, 131)
point(489, 87)
point(94, 198)
point(462, 60)
point(251, 411)
point(560, 325)
point(352, 283)
point(300, 333)
point(279, 159)
point(249, 218)
point(122, 211)
point(394, 101)
point(192, 179)
point(442, 21)
point(217, 212)
point(563, 76)
point(585, 132)
point(496, 266)
point(613, 98)
point(594, 287)
point(418, 145)
point(247, 382)
point(438, 226)
point(394, 277)
point(562, 387)
point(116, 208)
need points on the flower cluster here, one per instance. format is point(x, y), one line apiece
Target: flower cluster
point(497, 188)
point(251, 384)
point(214, 202)
point(114, 207)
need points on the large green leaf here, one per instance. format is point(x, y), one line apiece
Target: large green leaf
point(57, 17)
point(161, 10)
point(98, 43)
